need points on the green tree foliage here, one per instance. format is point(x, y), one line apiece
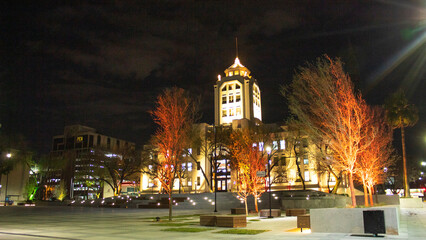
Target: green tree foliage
point(401, 114)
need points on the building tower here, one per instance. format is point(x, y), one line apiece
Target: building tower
point(237, 97)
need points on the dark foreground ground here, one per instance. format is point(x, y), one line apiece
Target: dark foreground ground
point(19, 223)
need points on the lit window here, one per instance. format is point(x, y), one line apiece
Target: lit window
point(189, 183)
point(307, 176)
point(242, 73)
point(275, 145)
point(230, 87)
point(223, 99)
point(305, 160)
point(190, 150)
point(231, 99)
point(224, 113)
point(237, 72)
point(282, 144)
point(230, 74)
point(231, 112)
point(238, 98)
point(261, 146)
point(238, 111)
point(189, 166)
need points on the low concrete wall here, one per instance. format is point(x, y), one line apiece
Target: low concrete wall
point(380, 199)
point(350, 220)
point(411, 203)
point(309, 203)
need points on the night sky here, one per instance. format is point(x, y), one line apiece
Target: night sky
point(102, 63)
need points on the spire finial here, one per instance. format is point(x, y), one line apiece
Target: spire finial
point(236, 45)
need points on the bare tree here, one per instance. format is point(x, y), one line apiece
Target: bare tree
point(174, 114)
point(323, 99)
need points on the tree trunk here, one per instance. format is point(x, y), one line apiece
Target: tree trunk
point(404, 160)
point(255, 204)
point(371, 195)
point(300, 175)
point(170, 200)
point(352, 189)
point(245, 202)
point(365, 193)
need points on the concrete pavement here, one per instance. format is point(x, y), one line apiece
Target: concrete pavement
point(21, 223)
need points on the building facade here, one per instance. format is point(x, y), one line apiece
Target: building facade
point(78, 150)
point(237, 105)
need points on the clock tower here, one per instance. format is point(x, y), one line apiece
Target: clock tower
point(237, 96)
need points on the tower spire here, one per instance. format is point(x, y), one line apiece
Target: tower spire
point(236, 45)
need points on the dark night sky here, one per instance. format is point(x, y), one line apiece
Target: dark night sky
point(102, 64)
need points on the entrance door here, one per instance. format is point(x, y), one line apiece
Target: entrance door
point(221, 185)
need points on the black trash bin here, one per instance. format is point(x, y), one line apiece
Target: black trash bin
point(374, 222)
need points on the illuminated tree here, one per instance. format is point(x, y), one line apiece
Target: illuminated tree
point(174, 114)
point(324, 102)
point(401, 114)
point(247, 158)
point(377, 157)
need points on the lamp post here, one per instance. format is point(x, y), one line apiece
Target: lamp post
point(8, 155)
point(268, 150)
point(215, 171)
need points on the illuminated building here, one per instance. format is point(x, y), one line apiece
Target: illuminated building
point(78, 148)
point(237, 105)
point(236, 96)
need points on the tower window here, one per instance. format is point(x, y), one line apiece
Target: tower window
point(230, 87)
point(231, 99)
point(224, 99)
point(237, 98)
point(224, 113)
point(237, 86)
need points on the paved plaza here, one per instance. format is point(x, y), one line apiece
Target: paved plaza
point(19, 223)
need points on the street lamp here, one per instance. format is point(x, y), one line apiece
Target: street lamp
point(8, 155)
point(423, 163)
point(268, 150)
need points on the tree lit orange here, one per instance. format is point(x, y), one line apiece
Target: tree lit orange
point(174, 115)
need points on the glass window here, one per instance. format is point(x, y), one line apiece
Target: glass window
point(237, 86)
point(230, 74)
point(237, 72)
point(223, 99)
point(198, 181)
point(305, 160)
point(283, 161)
point(261, 146)
point(230, 87)
point(238, 98)
point(231, 112)
point(307, 176)
point(282, 144)
point(274, 145)
point(224, 113)
point(231, 99)
point(189, 166)
point(238, 111)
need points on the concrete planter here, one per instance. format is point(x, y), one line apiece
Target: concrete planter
point(380, 199)
point(350, 220)
point(411, 203)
